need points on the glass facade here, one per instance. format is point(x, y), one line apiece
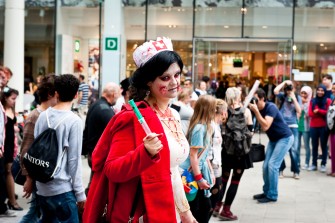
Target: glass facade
point(64, 35)
point(39, 46)
point(78, 38)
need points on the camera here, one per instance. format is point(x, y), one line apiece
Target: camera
point(288, 88)
point(254, 100)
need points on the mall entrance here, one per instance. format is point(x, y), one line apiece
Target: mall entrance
point(242, 60)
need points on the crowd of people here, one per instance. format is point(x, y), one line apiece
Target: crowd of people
point(204, 131)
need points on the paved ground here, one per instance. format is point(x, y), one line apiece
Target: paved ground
point(310, 199)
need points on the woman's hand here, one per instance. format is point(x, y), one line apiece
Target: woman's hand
point(152, 143)
point(187, 217)
point(213, 178)
point(203, 184)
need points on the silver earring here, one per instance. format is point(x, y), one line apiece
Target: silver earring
point(147, 94)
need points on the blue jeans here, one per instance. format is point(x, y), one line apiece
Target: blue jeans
point(322, 134)
point(307, 140)
point(274, 156)
point(294, 154)
point(59, 208)
point(32, 216)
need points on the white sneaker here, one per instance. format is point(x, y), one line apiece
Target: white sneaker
point(323, 168)
point(281, 174)
point(8, 213)
point(312, 168)
point(296, 176)
point(305, 167)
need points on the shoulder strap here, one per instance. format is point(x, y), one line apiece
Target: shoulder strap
point(46, 112)
point(58, 122)
point(199, 154)
point(282, 101)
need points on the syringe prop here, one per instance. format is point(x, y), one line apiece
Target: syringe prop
point(140, 117)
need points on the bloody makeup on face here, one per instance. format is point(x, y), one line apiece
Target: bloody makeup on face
point(166, 78)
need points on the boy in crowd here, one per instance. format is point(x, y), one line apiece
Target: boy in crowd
point(47, 98)
point(61, 197)
point(327, 80)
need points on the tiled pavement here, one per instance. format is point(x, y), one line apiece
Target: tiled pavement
point(309, 199)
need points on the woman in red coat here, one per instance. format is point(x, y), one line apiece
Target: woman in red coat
point(317, 111)
point(126, 159)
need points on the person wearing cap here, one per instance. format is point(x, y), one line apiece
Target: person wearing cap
point(136, 175)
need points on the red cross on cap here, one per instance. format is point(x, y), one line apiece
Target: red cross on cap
point(159, 45)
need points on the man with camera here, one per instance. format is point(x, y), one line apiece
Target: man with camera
point(290, 108)
point(280, 140)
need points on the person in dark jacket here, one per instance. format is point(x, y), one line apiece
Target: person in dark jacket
point(98, 116)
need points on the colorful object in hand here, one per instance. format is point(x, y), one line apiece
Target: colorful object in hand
point(149, 49)
point(190, 185)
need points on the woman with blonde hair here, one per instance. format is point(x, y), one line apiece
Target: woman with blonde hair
point(216, 149)
point(199, 136)
point(237, 163)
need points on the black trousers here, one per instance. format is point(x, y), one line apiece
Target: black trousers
point(201, 207)
point(3, 189)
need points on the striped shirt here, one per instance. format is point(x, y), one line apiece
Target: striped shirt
point(84, 88)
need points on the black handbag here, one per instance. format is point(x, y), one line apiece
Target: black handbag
point(17, 171)
point(257, 151)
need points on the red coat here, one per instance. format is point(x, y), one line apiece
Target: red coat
point(119, 160)
point(320, 118)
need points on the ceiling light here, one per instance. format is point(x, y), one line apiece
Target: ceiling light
point(244, 10)
point(226, 27)
point(321, 44)
point(294, 47)
point(264, 27)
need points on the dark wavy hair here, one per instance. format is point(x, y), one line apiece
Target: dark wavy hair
point(7, 92)
point(66, 85)
point(46, 88)
point(152, 69)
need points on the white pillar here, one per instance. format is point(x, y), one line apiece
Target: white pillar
point(14, 46)
point(113, 43)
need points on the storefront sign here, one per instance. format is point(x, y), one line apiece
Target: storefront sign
point(76, 46)
point(111, 43)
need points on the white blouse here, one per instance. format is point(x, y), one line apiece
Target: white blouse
point(179, 151)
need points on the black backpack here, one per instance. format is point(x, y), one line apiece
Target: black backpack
point(41, 158)
point(237, 138)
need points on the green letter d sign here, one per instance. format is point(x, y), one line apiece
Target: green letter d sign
point(111, 43)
